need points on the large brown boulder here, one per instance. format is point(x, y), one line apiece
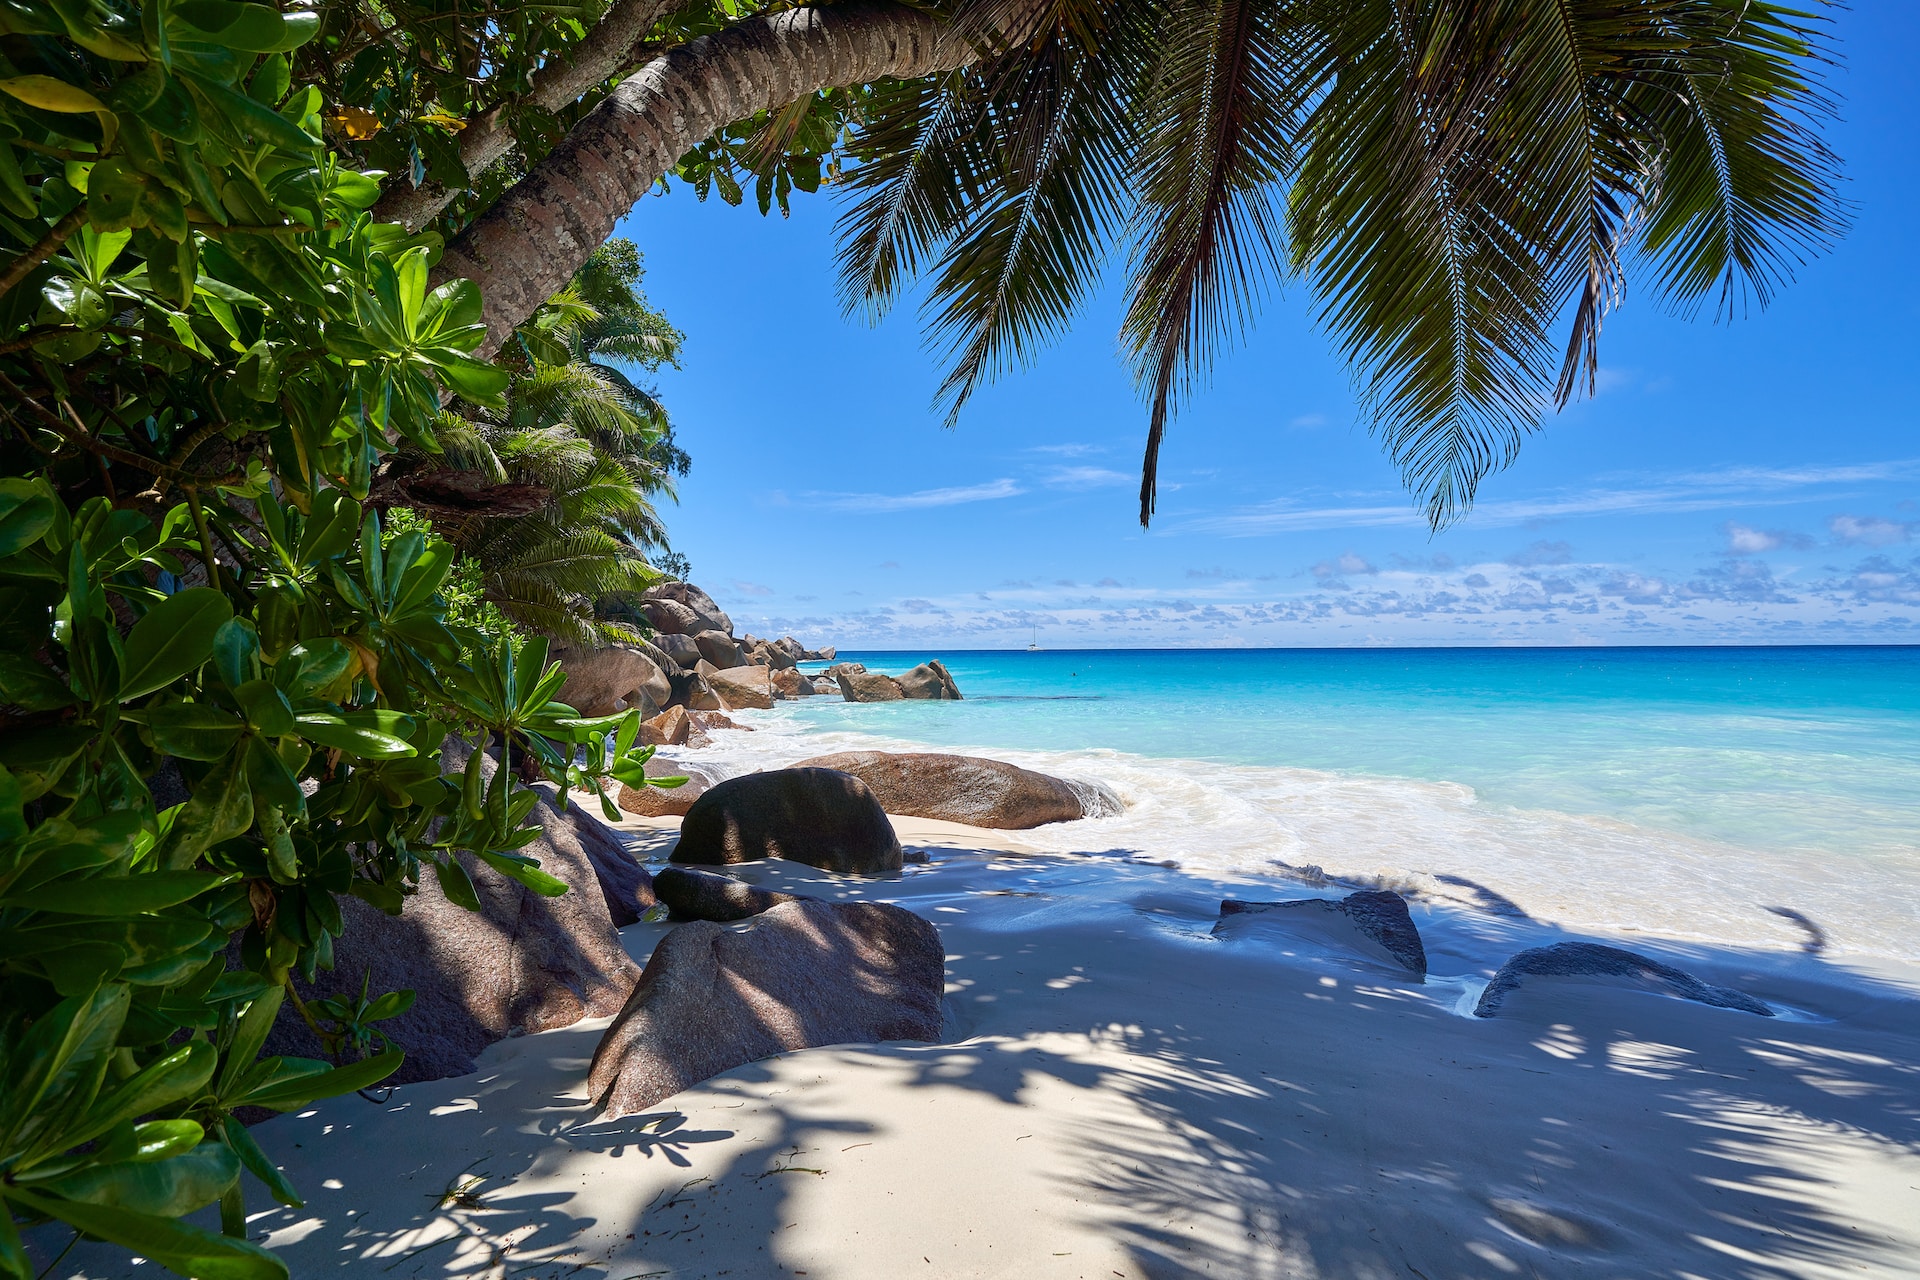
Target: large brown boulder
point(670, 617)
point(969, 789)
point(522, 963)
point(603, 681)
point(691, 690)
point(684, 652)
point(693, 598)
point(868, 686)
point(671, 728)
point(802, 975)
point(742, 687)
point(929, 680)
point(665, 802)
point(789, 683)
point(702, 895)
point(719, 648)
point(821, 817)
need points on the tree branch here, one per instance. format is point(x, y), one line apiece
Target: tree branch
point(49, 245)
point(559, 84)
point(526, 247)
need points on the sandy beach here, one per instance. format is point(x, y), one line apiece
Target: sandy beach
point(1124, 1094)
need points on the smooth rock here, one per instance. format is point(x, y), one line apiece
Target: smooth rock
point(670, 617)
point(703, 895)
point(708, 721)
point(839, 669)
point(742, 687)
point(969, 789)
point(821, 817)
point(694, 693)
point(790, 683)
point(1591, 960)
point(680, 648)
point(931, 681)
point(521, 964)
point(802, 975)
point(720, 649)
point(869, 686)
point(602, 681)
point(671, 728)
point(695, 599)
point(1378, 916)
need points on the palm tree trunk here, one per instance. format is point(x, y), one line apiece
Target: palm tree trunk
point(557, 85)
point(523, 249)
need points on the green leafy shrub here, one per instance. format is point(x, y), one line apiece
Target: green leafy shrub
point(223, 686)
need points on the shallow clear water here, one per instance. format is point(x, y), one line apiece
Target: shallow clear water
point(1689, 792)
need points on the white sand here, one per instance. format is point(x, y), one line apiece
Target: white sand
point(1127, 1096)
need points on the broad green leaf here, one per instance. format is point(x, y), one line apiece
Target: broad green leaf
point(175, 1245)
point(193, 730)
point(258, 1164)
point(120, 895)
point(456, 884)
point(361, 739)
point(173, 639)
point(526, 872)
point(26, 513)
point(299, 1092)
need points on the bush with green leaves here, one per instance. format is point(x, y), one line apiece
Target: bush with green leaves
point(223, 685)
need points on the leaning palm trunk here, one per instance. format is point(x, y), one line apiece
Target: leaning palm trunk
point(537, 235)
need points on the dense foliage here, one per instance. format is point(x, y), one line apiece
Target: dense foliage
point(224, 685)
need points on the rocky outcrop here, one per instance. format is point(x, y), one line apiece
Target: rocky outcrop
point(670, 617)
point(742, 688)
point(802, 975)
point(671, 728)
point(698, 602)
point(681, 648)
point(969, 789)
point(821, 817)
point(1377, 917)
point(930, 680)
point(1591, 960)
point(523, 963)
point(720, 649)
point(702, 895)
point(792, 684)
point(869, 686)
point(602, 681)
point(691, 690)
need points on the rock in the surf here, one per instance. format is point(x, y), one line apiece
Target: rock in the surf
point(1592, 960)
point(1378, 917)
point(742, 687)
point(869, 686)
point(821, 817)
point(799, 976)
point(931, 681)
point(969, 789)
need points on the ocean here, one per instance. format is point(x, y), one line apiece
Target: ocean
point(1754, 797)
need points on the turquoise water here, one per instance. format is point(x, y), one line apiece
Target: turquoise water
point(1793, 749)
point(1686, 791)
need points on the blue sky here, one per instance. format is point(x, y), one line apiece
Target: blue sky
point(1752, 482)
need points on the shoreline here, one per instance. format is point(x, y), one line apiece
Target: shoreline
point(1122, 1093)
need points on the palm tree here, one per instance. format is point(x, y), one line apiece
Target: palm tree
point(556, 494)
point(1464, 184)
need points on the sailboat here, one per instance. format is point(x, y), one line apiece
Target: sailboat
point(1033, 646)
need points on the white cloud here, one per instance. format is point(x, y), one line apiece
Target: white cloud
point(1065, 450)
point(953, 497)
point(1874, 531)
point(1308, 421)
point(1694, 491)
point(1742, 541)
point(1085, 478)
point(752, 589)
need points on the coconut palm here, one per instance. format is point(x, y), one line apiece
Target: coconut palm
point(553, 499)
point(1465, 185)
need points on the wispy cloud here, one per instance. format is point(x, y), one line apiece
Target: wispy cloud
point(1084, 478)
point(1065, 450)
point(920, 499)
point(1872, 531)
point(1695, 491)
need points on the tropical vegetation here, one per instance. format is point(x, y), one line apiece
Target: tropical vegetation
point(256, 267)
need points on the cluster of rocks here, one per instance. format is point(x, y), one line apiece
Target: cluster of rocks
point(694, 663)
point(1377, 924)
